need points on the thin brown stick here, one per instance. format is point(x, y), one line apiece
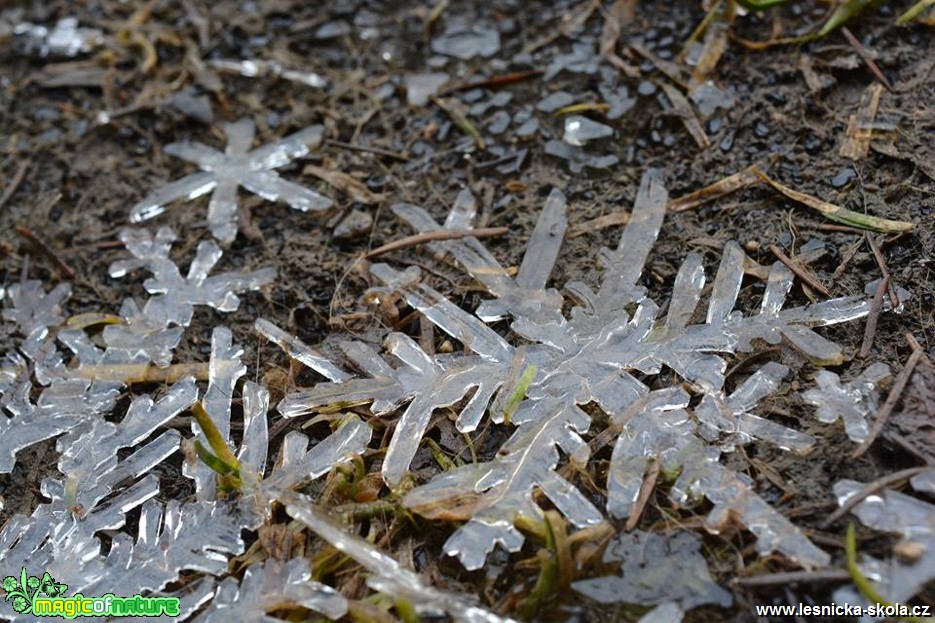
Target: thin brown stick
point(881, 263)
point(865, 56)
point(790, 577)
point(646, 490)
point(800, 272)
point(494, 82)
point(46, 249)
point(870, 489)
point(15, 181)
point(131, 373)
point(899, 385)
point(873, 316)
point(369, 150)
point(441, 234)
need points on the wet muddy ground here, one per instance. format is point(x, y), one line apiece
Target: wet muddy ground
point(82, 140)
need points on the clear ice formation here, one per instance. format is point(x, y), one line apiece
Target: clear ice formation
point(912, 566)
point(110, 468)
point(223, 172)
point(387, 575)
point(612, 339)
point(65, 39)
point(852, 402)
point(420, 88)
point(654, 570)
point(272, 585)
point(580, 130)
point(175, 296)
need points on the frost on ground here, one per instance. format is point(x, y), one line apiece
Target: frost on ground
point(222, 173)
point(602, 352)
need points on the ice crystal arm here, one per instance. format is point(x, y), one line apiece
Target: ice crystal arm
point(388, 576)
point(526, 296)
point(506, 484)
point(852, 403)
point(35, 312)
point(141, 338)
point(734, 498)
point(728, 419)
point(175, 296)
point(427, 383)
point(198, 536)
point(296, 463)
point(662, 430)
point(188, 188)
point(89, 454)
point(237, 166)
point(626, 263)
point(464, 327)
point(657, 428)
point(29, 425)
point(268, 586)
point(301, 352)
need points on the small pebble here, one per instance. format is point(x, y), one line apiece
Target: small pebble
point(843, 178)
point(354, 224)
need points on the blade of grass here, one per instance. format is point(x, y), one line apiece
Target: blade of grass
point(837, 213)
point(913, 12)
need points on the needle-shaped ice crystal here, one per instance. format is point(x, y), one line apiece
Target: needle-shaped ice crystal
point(852, 402)
point(174, 295)
point(224, 172)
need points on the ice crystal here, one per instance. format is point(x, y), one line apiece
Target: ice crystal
point(35, 312)
point(852, 403)
point(606, 350)
point(65, 39)
point(103, 482)
point(913, 563)
point(387, 575)
point(268, 586)
point(223, 173)
point(174, 295)
point(296, 461)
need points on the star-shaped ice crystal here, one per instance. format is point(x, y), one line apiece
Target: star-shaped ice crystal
point(236, 166)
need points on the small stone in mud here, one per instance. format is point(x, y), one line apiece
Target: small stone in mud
point(354, 224)
point(646, 88)
point(843, 178)
point(421, 87)
point(761, 130)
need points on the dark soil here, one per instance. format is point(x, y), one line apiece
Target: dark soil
point(83, 176)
